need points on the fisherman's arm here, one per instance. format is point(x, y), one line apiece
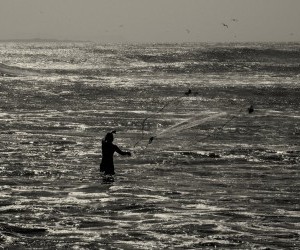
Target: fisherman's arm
point(119, 151)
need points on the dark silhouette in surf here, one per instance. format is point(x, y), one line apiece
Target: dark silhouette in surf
point(108, 150)
point(188, 92)
point(251, 109)
point(151, 139)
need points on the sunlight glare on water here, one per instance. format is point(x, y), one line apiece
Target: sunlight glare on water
point(214, 175)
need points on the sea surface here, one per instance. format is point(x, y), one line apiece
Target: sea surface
point(215, 176)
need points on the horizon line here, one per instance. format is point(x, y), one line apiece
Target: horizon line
point(42, 40)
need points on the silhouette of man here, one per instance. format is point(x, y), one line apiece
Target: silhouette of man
point(108, 150)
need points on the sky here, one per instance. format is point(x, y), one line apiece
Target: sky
point(151, 21)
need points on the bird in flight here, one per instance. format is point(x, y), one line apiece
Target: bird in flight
point(225, 25)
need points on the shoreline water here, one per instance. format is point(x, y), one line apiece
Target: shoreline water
point(237, 189)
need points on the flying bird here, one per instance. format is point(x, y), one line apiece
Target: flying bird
point(188, 31)
point(225, 25)
point(234, 20)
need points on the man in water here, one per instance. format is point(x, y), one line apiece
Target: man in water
point(108, 150)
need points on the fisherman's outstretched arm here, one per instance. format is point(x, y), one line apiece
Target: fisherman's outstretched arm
point(119, 151)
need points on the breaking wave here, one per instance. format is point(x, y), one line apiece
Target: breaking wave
point(17, 71)
point(222, 59)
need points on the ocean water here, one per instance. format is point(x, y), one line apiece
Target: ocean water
point(214, 177)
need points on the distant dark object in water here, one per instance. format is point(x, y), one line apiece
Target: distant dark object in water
point(213, 155)
point(251, 109)
point(151, 139)
point(188, 92)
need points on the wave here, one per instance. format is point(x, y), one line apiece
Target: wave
point(7, 70)
point(226, 53)
point(95, 61)
point(264, 59)
point(260, 54)
point(228, 67)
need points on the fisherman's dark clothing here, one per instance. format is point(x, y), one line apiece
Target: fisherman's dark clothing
point(107, 163)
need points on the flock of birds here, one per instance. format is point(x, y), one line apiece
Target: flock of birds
point(233, 20)
point(225, 25)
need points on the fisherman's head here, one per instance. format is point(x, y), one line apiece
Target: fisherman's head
point(109, 137)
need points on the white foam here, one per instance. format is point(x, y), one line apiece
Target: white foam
point(140, 245)
point(90, 195)
point(2, 114)
point(203, 207)
point(14, 207)
point(166, 216)
point(116, 188)
point(150, 198)
point(73, 200)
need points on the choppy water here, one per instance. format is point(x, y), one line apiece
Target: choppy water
point(199, 188)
